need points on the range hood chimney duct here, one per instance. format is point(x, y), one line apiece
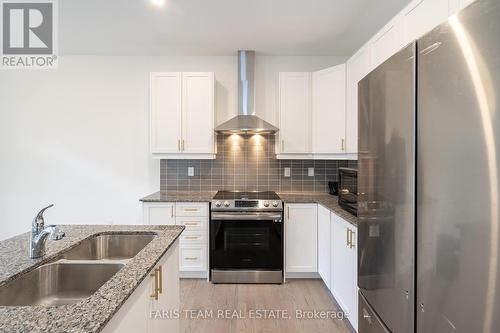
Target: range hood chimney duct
point(246, 121)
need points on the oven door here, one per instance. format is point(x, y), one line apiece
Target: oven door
point(246, 241)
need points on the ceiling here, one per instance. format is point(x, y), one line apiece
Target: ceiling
point(220, 27)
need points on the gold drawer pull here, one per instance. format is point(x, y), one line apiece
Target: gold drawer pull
point(191, 223)
point(351, 243)
point(157, 283)
point(190, 209)
point(160, 277)
point(191, 258)
point(191, 237)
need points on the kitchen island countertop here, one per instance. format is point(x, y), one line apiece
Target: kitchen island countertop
point(94, 312)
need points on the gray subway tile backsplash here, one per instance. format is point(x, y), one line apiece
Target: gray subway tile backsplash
point(248, 162)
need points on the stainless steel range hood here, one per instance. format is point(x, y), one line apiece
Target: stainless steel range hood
point(246, 121)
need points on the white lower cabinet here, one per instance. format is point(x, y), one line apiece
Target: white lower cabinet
point(324, 243)
point(158, 213)
point(193, 252)
point(301, 238)
point(141, 311)
point(193, 247)
point(344, 267)
point(318, 240)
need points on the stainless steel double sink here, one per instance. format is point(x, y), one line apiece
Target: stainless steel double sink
point(75, 274)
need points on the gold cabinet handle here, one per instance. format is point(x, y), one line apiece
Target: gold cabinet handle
point(190, 258)
point(343, 144)
point(288, 213)
point(160, 278)
point(182, 145)
point(190, 223)
point(190, 237)
point(190, 209)
point(348, 237)
point(179, 145)
point(172, 211)
point(351, 245)
point(156, 282)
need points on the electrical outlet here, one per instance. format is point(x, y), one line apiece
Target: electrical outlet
point(310, 172)
point(287, 172)
point(190, 171)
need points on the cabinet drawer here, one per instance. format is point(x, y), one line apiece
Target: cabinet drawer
point(193, 223)
point(194, 237)
point(191, 209)
point(193, 258)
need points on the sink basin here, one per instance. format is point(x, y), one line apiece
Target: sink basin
point(114, 247)
point(57, 283)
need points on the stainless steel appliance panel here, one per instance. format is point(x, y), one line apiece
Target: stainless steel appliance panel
point(368, 321)
point(386, 190)
point(458, 280)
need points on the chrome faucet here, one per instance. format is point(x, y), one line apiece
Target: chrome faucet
point(39, 234)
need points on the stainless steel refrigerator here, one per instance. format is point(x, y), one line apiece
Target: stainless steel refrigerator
point(429, 233)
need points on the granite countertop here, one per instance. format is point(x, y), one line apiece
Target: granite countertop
point(325, 199)
point(183, 196)
point(92, 313)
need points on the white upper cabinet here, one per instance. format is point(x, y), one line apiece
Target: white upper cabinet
point(357, 68)
point(294, 113)
point(198, 112)
point(387, 42)
point(422, 16)
point(465, 3)
point(329, 110)
point(166, 112)
point(456, 5)
point(182, 115)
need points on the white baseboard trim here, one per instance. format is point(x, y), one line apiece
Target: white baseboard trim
point(303, 275)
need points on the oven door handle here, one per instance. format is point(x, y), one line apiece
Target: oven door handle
point(275, 217)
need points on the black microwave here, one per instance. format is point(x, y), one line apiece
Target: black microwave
point(348, 189)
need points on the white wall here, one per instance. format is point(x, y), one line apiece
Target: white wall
point(78, 136)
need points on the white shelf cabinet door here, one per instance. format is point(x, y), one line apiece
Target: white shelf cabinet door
point(169, 298)
point(198, 113)
point(158, 213)
point(421, 16)
point(329, 110)
point(301, 238)
point(340, 262)
point(295, 113)
point(353, 255)
point(344, 283)
point(357, 68)
point(166, 112)
point(324, 243)
point(139, 311)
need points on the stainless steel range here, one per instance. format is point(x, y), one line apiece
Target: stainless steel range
point(246, 237)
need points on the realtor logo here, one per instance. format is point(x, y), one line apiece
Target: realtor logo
point(28, 34)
